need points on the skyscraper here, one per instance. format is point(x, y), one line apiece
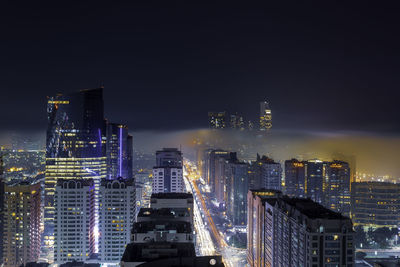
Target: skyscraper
point(295, 178)
point(337, 190)
point(75, 146)
point(290, 232)
point(237, 185)
point(119, 151)
point(167, 174)
point(22, 218)
point(217, 120)
point(265, 116)
point(315, 180)
point(74, 220)
point(116, 217)
point(376, 204)
point(266, 173)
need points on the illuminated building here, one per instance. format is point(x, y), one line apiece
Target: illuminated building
point(116, 217)
point(257, 226)
point(376, 204)
point(295, 178)
point(74, 220)
point(167, 174)
point(315, 180)
point(217, 172)
point(75, 147)
point(337, 189)
point(22, 217)
point(119, 151)
point(237, 122)
point(265, 116)
point(237, 185)
point(285, 231)
point(217, 120)
point(265, 173)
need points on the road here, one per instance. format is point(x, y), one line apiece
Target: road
point(210, 240)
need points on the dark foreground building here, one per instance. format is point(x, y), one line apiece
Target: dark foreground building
point(293, 232)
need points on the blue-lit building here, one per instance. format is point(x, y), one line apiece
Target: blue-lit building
point(119, 152)
point(75, 147)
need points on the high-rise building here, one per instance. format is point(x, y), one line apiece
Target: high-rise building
point(217, 120)
point(257, 225)
point(22, 219)
point(167, 174)
point(266, 173)
point(163, 231)
point(295, 178)
point(376, 204)
point(315, 180)
point(75, 147)
point(237, 185)
point(290, 232)
point(119, 152)
point(116, 217)
point(265, 116)
point(74, 220)
point(337, 190)
point(218, 167)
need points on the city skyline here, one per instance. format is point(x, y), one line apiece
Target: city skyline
point(321, 67)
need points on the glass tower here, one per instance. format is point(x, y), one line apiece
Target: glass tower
point(75, 147)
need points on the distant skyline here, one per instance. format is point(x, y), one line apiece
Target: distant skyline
point(328, 67)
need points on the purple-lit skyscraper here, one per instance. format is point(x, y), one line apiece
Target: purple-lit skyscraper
point(119, 151)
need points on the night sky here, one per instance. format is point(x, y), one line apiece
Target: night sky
point(326, 66)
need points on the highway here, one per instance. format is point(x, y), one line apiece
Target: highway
point(210, 240)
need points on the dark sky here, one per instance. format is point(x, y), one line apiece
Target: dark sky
point(327, 66)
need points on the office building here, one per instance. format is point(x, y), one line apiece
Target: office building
point(22, 219)
point(289, 232)
point(236, 191)
point(316, 180)
point(75, 147)
point(295, 178)
point(74, 220)
point(376, 204)
point(116, 217)
point(167, 174)
point(266, 173)
point(217, 120)
point(337, 190)
point(265, 116)
point(119, 152)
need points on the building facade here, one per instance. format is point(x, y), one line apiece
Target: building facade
point(376, 204)
point(265, 116)
point(116, 218)
point(75, 147)
point(315, 180)
point(167, 174)
point(217, 120)
point(236, 191)
point(74, 220)
point(266, 173)
point(297, 232)
point(119, 152)
point(295, 178)
point(22, 219)
point(337, 189)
